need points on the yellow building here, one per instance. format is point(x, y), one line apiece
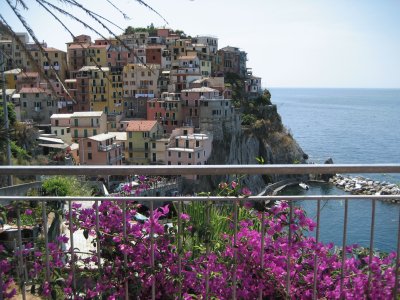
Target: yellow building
point(140, 83)
point(141, 141)
point(115, 92)
point(87, 123)
point(98, 87)
point(11, 78)
point(97, 55)
point(52, 62)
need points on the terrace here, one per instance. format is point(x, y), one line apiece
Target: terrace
point(97, 266)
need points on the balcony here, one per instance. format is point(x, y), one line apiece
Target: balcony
point(115, 159)
point(108, 147)
point(157, 250)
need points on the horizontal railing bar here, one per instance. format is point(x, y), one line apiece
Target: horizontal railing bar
point(200, 169)
point(201, 198)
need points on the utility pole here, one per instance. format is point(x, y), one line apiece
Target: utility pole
point(5, 112)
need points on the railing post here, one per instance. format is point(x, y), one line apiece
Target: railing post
point(342, 273)
point(72, 250)
point(152, 260)
point(288, 285)
point(235, 248)
point(371, 245)
point(396, 282)
point(260, 296)
point(20, 258)
point(98, 237)
point(315, 293)
point(126, 286)
point(179, 250)
point(208, 238)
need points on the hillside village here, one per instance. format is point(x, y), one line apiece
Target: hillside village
point(140, 98)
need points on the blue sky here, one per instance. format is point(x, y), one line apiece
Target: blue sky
point(290, 43)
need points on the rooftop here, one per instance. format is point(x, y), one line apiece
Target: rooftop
point(78, 114)
point(141, 125)
point(33, 90)
point(13, 71)
point(60, 116)
point(102, 137)
point(203, 89)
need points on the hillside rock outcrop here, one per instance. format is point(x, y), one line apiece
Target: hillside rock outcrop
point(267, 138)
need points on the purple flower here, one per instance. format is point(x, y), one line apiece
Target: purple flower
point(127, 188)
point(185, 217)
point(246, 191)
point(28, 212)
point(63, 239)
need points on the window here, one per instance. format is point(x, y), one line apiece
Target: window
point(62, 132)
point(56, 122)
point(76, 133)
point(76, 122)
point(179, 154)
point(189, 155)
point(85, 134)
point(197, 143)
point(89, 156)
point(94, 132)
point(153, 145)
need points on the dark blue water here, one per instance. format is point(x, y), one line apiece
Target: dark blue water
point(351, 126)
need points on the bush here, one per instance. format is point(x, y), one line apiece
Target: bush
point(226, 252)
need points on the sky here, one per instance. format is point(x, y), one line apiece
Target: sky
point(289, 43)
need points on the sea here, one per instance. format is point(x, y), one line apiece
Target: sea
point(351, 126)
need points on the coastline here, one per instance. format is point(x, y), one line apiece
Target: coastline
point(365, 186)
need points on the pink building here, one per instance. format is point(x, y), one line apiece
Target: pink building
point(188, 148)
point(119, 56)
point(101, 149)
point(167, 110)
point(28, 80)
point(191, 100)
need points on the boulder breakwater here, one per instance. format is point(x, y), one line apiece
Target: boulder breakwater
point(364, 186)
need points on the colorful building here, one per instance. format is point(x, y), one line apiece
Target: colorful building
point(141, 141)
point(77, 53)
point(37, 104)
point(191, 100)
point(188, 148)
point(61, 127)
point(97, 55)
point(231, 60)
point(140, 83)
point(100, 149)
point(167, 110)
point(86, 124)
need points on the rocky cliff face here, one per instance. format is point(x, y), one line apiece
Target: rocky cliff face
point(266, 138)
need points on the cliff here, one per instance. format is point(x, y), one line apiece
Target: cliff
point(265, 137)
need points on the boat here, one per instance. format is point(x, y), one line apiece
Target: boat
point(304, 186)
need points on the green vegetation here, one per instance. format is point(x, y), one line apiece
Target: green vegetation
point(152, 31)
point(65, 186)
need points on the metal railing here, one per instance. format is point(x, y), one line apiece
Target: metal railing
point(209, 170)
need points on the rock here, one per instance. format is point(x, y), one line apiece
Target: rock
point(326, 177)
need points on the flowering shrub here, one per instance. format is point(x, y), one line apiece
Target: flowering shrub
point(220, 261)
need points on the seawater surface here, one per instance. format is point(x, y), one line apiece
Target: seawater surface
point(352, 126)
